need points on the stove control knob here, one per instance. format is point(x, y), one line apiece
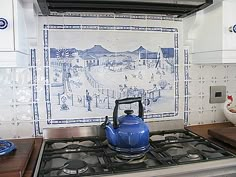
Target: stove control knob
point(232, 29)
point(3, 23)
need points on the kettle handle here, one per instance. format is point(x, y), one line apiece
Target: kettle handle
point(126, 101)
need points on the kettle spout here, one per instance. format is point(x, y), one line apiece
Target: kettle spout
point(110, 132)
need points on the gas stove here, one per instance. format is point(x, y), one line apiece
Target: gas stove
point(91, 155)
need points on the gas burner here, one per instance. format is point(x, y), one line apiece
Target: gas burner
point(194, 154)
point(131, 159)
point(75, 167)
point(171, 139)
point(73, 147)
point(172, 147)
point(185, 136)
point(130, 156)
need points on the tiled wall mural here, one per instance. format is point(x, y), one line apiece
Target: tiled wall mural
point(88, 66)
point(83, 63)
point(86, 79)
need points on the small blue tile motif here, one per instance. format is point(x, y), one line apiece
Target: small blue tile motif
point(106, 15)
point(138, 17)
point(88, 27)
point(111, 15)
point(83, 80)
point(88, 15)
point(124, 16)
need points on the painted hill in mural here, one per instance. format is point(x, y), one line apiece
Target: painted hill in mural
point(96, 49)
point(141, 49)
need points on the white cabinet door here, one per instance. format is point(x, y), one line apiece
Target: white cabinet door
point(7, 34)
point(20, 30)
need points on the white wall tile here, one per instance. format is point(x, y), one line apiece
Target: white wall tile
point(195, 103)
point(23, 94)
point(23, 76)
point(195, 118)
point(6, 95)
point(194, 88)
point(231, 87)
point(8, 130)
point(7, 113)
point(208, 72)
point(6, 76)
point(195, 72)
point(24, 129)
point(231, 71)
point(24, 112)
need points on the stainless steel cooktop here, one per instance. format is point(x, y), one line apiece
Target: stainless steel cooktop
point(91, 155)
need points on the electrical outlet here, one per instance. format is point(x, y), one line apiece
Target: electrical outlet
point(217, 94)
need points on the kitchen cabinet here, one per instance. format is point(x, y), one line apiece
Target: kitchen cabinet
point(209, 35)
point(6, 35)
point(14, 48)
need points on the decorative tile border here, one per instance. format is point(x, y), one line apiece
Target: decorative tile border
point(35, 94)
point(118, 16)
point(105, 27)
point(186, 84)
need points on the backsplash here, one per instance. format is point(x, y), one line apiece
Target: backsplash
point(197, 81)
point(84, 62)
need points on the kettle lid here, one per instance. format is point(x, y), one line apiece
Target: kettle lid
point(129, 111)
point(130, 119)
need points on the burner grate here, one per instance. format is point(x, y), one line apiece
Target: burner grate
point(91, 156)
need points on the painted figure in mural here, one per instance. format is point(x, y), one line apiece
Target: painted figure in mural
point(64, 106)
point(140, 76)
point(88, 99)
point(123, 91)
point(158, 72)
point(152, 78)
point(126, 78)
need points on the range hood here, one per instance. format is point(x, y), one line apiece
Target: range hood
point(176, 8)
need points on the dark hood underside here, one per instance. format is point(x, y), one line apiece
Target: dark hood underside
point(164, 7)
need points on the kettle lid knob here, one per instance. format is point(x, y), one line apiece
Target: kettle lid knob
point(129, 111)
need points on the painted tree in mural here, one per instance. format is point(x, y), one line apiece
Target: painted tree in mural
point(64, 63)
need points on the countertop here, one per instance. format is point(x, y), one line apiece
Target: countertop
point(202, 130)
point(14, 164)
point(34, 156)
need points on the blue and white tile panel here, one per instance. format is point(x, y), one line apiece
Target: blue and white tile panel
point(105, 27)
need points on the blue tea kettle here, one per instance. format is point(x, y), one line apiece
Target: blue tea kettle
point(129, 133)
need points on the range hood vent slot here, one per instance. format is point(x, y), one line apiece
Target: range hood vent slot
point(176, 8)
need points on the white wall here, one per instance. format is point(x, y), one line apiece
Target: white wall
point(24, 107)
